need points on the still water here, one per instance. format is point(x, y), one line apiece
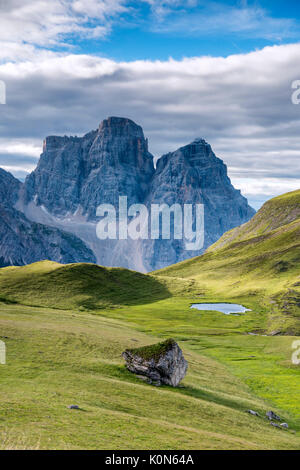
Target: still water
point(228, 309)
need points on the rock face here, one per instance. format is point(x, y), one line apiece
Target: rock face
point(77, 174)
point(161, 363)
point(272, 416)
point(9, 188)
point(24, 242)
point(194, 175)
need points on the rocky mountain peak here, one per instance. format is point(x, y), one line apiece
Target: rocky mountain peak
point(120, 141)
point(77, 174)
point(23, 241)
point(9, 187)
point(121, 127)
point(199, 140)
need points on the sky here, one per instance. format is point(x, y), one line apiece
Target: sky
point(221, 70)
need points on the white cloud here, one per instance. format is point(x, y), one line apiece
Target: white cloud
point(59, 22)
point(23, 148)
point(44, 23)
point(259, 190)
point(99, 8)
point(201, 18)
point(266, 186)
point(240, 104)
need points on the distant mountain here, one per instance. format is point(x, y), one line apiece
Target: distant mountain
point(77, 174)
point(259, 261)
point(23, 242)
point(194, 175)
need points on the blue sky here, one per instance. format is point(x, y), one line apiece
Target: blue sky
point(221, 70)
point(187, 29)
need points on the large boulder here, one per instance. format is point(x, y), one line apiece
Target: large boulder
point(161, 363)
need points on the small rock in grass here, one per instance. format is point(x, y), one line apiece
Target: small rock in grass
point(275, 425)
point(284, 425)
point(271, 415)
point(254, 413)
point(73, 407)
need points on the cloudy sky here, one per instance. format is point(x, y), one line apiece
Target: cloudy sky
point(181, 69)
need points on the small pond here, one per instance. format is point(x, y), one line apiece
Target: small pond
point(228, 309)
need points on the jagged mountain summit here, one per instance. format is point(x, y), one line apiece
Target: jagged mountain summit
point(77, 174)
point(194, 175)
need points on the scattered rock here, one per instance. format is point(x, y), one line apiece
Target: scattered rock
point(275, 333)
point(275, 425)
point(73, 407)
point(161, 363)
point(254, 413)
point(272, 416)
point(284, 425)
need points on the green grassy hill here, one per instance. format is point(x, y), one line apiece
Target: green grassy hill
point(58, 358)
point(65, 328)
point(258, 262)
point(83, 286)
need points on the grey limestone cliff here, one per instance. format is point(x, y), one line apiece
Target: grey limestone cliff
point(194, 175)
point(23, 242)
point(77, 174)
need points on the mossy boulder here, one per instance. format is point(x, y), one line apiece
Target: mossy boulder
point(161, 363)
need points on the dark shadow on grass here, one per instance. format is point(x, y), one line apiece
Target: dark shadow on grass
point(83, 286)
point(122, 373)
point(113, 286)
point(207, 396)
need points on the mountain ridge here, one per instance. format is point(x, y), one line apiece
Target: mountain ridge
point(77, 174)
point(23, 241)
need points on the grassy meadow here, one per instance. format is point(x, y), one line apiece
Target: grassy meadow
point(57, 358)
point(65, 328)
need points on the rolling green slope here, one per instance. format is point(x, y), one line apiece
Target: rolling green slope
point(56, 358)
point(257, 262)
point(65, 328)
point(83, 286)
